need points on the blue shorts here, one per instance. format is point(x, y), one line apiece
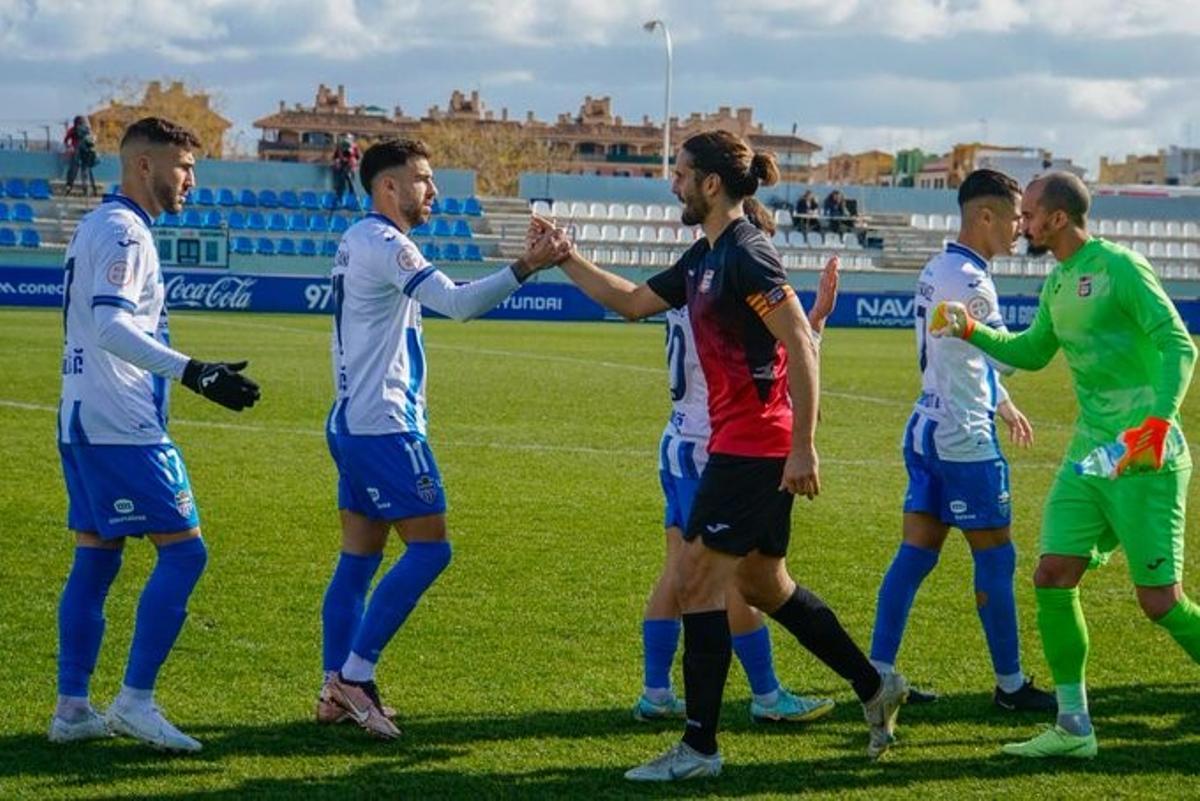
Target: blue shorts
point(127, 490)
point(966, 495)
point(680, 493)
point(387, 477)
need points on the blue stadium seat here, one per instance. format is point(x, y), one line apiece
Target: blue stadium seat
point(473, 207)
point(30, 238)
point(351, 203)
point(8, 238)
point(170, 220)
point(237, 221)
point(328, 201)
point(204, 197)
point(297, 222)
point(248, 199)
point(22, 212)
point(318, 223)
point(268, 199)
point(442, 228)
point(309, 200)
point(264, 247)
point(472, 252)
point(451, 252)
point(243, 245)
point(338, 225)
point(39, 189)
point(1, 189)
point(329, 248)
point(289, 199)
point(256, 221)
point(462, 230)
point(16, 188)
point(430, 252)
point(192, 219)
point(437, 206)
point(213, 219)
point(225, 197)
point(287, 247)
point(424, 229)
point(308, 247)
point(3, 212)
point(451, 206)
point(277, 222)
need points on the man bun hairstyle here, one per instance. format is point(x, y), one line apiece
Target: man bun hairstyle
point(759, 215)
point(730, 158)
point(386, 154)
point(1065, 191)
point(159, 131)
point(987, 183)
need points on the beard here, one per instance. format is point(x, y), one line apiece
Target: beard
point(415, 215)
point(167, 196)
point(1035, 250)
point(693, 212)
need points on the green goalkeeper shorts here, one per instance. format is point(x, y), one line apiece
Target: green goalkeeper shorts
point(1090, 517)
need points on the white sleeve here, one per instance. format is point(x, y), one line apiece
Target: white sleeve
point(122, 260)
point(117, 334)
point(462, 301)
point(983, 304)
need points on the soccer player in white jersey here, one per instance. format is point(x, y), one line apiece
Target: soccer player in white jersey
point(683, 452)
point(124, 476)
point(958, 477)
point(387, 477)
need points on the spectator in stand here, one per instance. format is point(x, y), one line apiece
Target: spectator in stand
point(807, 215)
point(80, 146)
point(837, 213)
point(345, 165)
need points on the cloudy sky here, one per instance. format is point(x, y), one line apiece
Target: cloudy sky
point(1082, 77)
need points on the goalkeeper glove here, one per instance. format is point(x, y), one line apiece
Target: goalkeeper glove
point(1144, 445)
point(221, 382)
point(950, 318)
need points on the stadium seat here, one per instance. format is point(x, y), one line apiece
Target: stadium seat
point(797, 239)
point(667, 235)
point(579, 210)
point(16, 188)
point(919, 221)
point(277, 222)
point(430, 252)
point(671, 213)
point(616, 211)
point(441, 227)
point(472, 252)
point(256, 221)
point(213, 219)
point(8, 238)
point(1172, 229)
point(472, 207)
point(267, 199)
point(192, 219)
point(815, 240)
point(560, 208)
point(289, 199)
point(309, 200)
point(1140, 247)
point(225, 197)
point(647, 233)
point(610, 233)
point(655, 212)
point(338, 225)
point(1157, 250)
point(329, 248)
point(39, 189)
point(1107, 227)
point(248, 199)
point(783, 218)
point(541, 208)
point(3, 212)
point(243, 245)
point(1141, 228)
point(170, 220)
point(780, 238)
point(1174, 250)
point(308, 247)
point(297, 222)
point(589, 232)
point(598, 211)
point(636, 212)
point(937, 222)
point(424, 229)
point(1124, 228)
point(629, 233)
point(953, 222)
point(204, 197)
point(1191, 230)
point(1157, 228)
point(30, 238)
point(451, 252)
point(462, 230)
point(264, 246)
point(437, 206)
point(22, 213)
point(451, 205)
point(351, 203)
point(237, 221)
point(318, 223)
point(328, 201)
point(286, 247)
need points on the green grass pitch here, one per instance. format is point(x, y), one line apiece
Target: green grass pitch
point(515, 676)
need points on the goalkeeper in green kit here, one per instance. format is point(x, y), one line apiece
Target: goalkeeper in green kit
point(1131, 360)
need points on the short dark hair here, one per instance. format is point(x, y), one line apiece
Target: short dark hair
point(728, 156)
point(158, 131)
point(1065, 191)
point(387, 154)
point(987, 183)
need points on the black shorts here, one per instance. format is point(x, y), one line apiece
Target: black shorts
point(739, 507)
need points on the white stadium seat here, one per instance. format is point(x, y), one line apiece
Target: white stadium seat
point(919, 221)
point(1107, 227)
point(1157, 229)
point(671, 213)
point(1124, 228)
point(598, 211)
point(796, 239)
point(610, 233)
point(1172, 229)
point(560, 209)
point(616, 211)
point(655, 213)
point(636, 212)
point(629, 233)
point(647, 233)
point(937, 222)
point(667, 234)
point(579, 210)
point(541, 208)
point(1141, 228)
point(1191, 230)
point(783, 218)
point(590, 233)
point(1174, 250)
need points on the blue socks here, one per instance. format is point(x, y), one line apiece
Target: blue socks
point(660, 638)
point(754, 652)
point(997, 606)
point(163, 608)
point(909, 568)
point(397, 595)
point(345, 600)
point(81, 617)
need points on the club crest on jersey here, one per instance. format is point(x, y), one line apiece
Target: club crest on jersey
point(1085, 286)
point(408, 258)
point(184, 504)
point(706, 282)
point(979, 307)
point(427, 488)
point(119, 273)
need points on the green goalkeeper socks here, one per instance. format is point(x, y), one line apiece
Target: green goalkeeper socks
point(1183, 624)
point(1064, 633)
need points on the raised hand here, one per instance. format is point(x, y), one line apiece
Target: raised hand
point(950, 318)
point(221, 382)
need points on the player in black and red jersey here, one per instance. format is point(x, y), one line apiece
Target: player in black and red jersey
point(760, 363)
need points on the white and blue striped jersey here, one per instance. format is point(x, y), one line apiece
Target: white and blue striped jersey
point(112, 261)
point(960, 388)
point(377, 347)
point(683, 450)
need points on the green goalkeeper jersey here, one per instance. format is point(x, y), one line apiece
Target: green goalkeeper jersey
point(1129, 352)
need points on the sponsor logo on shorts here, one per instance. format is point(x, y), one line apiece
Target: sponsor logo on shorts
point(1156, 564)
point(375, 495)
point(184, 504)
point(1085, 286)
point(958, 507)
point(427, 488)
point(716, 528)
point(122, 506)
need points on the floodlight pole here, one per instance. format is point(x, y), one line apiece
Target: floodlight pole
point(666, 154)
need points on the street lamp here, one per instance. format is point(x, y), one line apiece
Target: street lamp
point(666, 154)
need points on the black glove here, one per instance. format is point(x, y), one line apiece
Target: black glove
point(221, 382)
